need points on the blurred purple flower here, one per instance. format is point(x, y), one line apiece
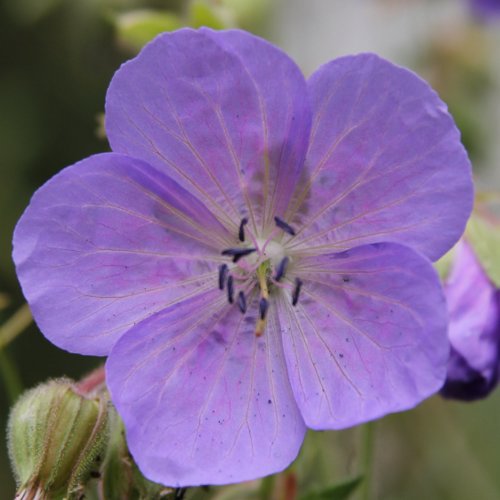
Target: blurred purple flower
point(474, 330)
point(231, 171)
point(485, 9)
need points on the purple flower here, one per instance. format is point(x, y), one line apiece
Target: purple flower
point(474, 330)
point(485, 9)
point(314, 205)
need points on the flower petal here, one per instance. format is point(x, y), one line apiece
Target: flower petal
point(108, 242)
point(485, 9)
point(474, 332)
point(385, 162)
point(368, 335)
point(204, 400)
point(225, 114)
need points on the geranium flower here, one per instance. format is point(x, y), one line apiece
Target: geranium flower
point(474, 330)
point(253, 257)
point(485, 8)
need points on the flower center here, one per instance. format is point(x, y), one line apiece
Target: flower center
point(263, 264)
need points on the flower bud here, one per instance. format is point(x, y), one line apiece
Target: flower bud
point(57, 438)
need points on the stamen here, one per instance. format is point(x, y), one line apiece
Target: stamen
point(283, 225)
point(263, 303)
point(296, 291)
point(222, 276)
point(261, 322)
point(230, 290)
point(280, 272)
point(238, 253)
point(242, 302)
point(263, 307)
point(241, 232)
point(283, 286)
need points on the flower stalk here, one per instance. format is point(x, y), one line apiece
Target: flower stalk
point(368, 441)
point(15, 325)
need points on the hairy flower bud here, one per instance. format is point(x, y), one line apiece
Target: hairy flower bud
point(57, 439)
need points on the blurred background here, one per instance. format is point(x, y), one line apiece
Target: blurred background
point(56, 60)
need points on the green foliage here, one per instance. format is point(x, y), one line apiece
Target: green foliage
point(136, 28)
point(443, 265)
point(484, 236)
point(201, 13)
point(248, 13)
point(30, 11)
point(338, 492)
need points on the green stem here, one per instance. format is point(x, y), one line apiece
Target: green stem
point(15, 325)
point(368, 437)
point(10, 376)
point(267, 487)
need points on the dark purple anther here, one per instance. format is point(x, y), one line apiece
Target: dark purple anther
point(222, 276)
point(296, 291)
point(242, 302)
point(238, 253)
point(283, 225)
point(263, 306)
point(230, 290)
point(280, 272)
point(241, 232)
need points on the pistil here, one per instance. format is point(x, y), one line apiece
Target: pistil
point(262, 271)
point(269, 266)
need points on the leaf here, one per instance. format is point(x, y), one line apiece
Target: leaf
point(138, 27)
point(30, 11)
point(443, 265)
point(484, 236)
point(340, 491)
point(203, 14)
point(247, 13)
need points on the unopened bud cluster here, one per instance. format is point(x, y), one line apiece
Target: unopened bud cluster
point(65, 443)
point(56, 440)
